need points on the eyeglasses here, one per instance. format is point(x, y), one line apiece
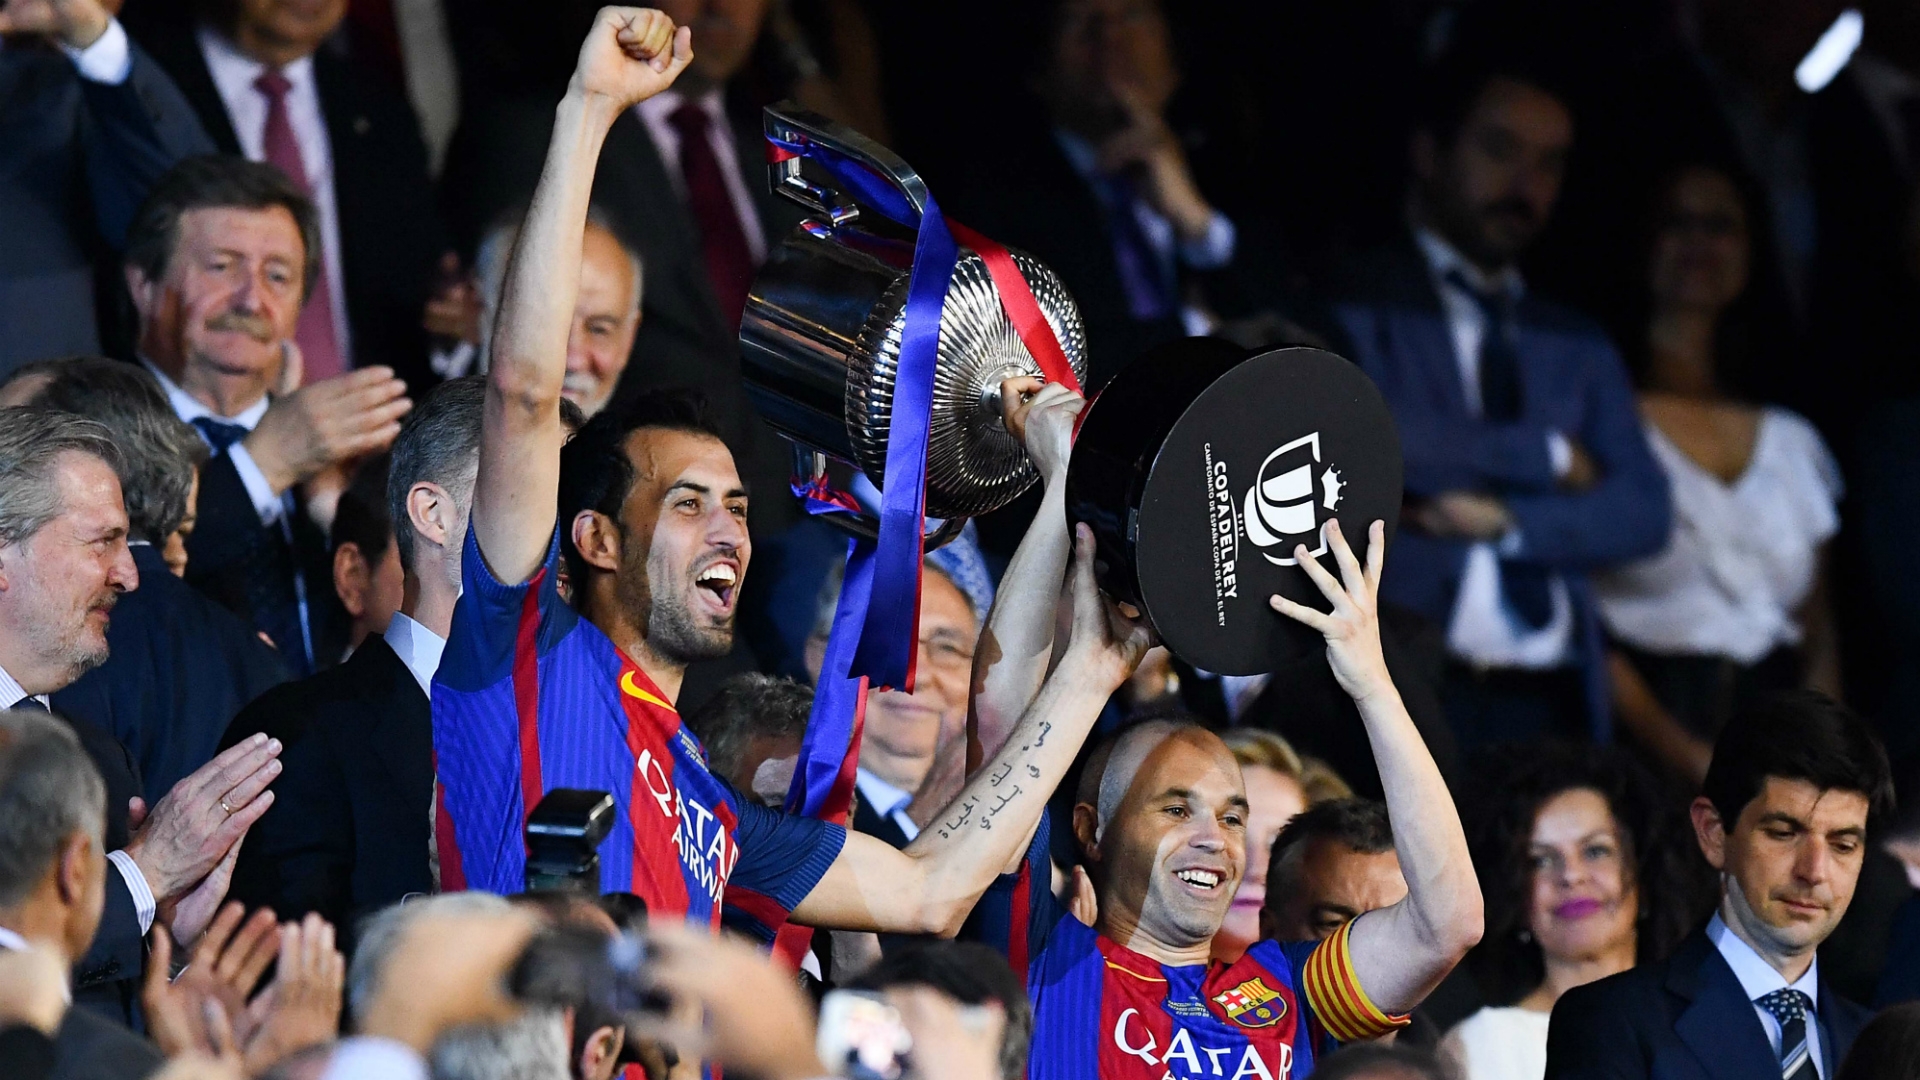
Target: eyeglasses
point(945, 653)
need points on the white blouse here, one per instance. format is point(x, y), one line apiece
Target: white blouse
point(1498, 1044)
point(1741, 558)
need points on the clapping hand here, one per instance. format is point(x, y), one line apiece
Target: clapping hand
point(630, 55)
point(1352, 628)
point(185, 848)
point(1042, 416)
point(323, 424)
point(300, 1009)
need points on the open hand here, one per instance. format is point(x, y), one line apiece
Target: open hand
point(1041, 415)
point(1106, 641)
point(756, 1020)
point(328, 422)
point(197, 824)
point(630, 55)
point(225, 965)
point(1352, 628)
point(74, 23)
point(302, 1007)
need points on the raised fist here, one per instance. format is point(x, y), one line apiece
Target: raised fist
point(631, 54)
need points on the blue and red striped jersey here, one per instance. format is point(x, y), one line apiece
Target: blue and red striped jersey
point(530, 697)
point(1104, 1012)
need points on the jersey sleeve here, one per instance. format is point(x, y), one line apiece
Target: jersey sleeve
point(497, 624)
point(1019, 911)
point(1324, 971)
point(782, 857)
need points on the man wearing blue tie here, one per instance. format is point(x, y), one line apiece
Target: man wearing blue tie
point(1525, 466)
point(1783, 817)
point(220, 260)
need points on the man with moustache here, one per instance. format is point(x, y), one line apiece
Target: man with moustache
point(1160, 817)
point(534, 694)
point(1783, 817)
point(219, 262)
point(1526, 469)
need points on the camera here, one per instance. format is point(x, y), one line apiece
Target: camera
point(563, 837)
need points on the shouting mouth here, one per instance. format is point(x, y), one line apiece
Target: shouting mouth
point(720, 582)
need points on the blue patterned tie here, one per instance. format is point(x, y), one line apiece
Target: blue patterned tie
point(1791, 1007)
point(218, 433)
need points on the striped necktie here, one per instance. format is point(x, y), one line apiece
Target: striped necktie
point(1791, 1007)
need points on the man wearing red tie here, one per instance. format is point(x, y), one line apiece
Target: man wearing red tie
point(264, 89)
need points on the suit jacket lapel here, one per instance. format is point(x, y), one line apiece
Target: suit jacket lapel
point(1422, 319)
point(179, 53)
point(402, 738)
point(670, 238)
point(1719, 1025)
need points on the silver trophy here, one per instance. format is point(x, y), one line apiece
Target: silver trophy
point(820, 339)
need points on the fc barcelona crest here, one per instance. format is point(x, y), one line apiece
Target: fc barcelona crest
point(1252, 1004)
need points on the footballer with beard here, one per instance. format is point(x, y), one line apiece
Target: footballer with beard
point(534, 694)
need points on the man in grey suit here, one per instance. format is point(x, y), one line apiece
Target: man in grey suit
point(86, 134)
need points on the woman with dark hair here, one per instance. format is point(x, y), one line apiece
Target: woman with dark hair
point(1888, 1048)
point(1732, 608)
point(1586, 871)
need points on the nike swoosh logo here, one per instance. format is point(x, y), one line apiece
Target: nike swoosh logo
point(628, 687)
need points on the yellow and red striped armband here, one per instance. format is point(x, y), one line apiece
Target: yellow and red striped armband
point(1334, 993)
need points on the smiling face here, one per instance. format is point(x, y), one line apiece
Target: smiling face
point(229, 299)
point(684, 548)
point(1790, 863)
point(1700, 250)
point(1273, 798)
point(60, 584)
point(904, 731)
point(1583, 901)
point(606, 316)
point(1171, 852)
point(1489, 191)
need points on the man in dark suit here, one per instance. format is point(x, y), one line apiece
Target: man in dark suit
point(682, 179)
point(1100, 189)
point(61, 574)
point(349, 830)
point(1526, 468)
point(264, 87)
point(219, 262)
point(51, 825)
point(1783, 818)
point(86, 134)
point(179, 665)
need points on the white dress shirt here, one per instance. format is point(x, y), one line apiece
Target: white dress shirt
point(886, 800)
point(1759, 978)
point(189, 408)
point(656, 114)
point(233, 74)
point(417, 647)
point(1482, 631)
point(144, 905)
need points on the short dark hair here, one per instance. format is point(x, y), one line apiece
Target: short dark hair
point(746, 705)
point(596, 473)
point(1799, 735)
point(158, 451)
point(968, 972)
point(1449, 90)
point(216, 181)
point(439, 443)
point(1671, 879)
point(1361, 824)
point(1889, 1046)
point(1374, 1061)
point(361, 518)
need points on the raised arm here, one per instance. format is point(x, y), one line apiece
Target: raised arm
point(932, 885)
point(1017, 645)
point(1400, 953)
point(630, 55)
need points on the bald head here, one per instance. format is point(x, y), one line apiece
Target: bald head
point(1114, 765)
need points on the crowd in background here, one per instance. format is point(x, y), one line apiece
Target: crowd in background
point(1639, 281)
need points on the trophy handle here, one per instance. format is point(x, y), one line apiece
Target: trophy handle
point(812, 464)
point(788, 122)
